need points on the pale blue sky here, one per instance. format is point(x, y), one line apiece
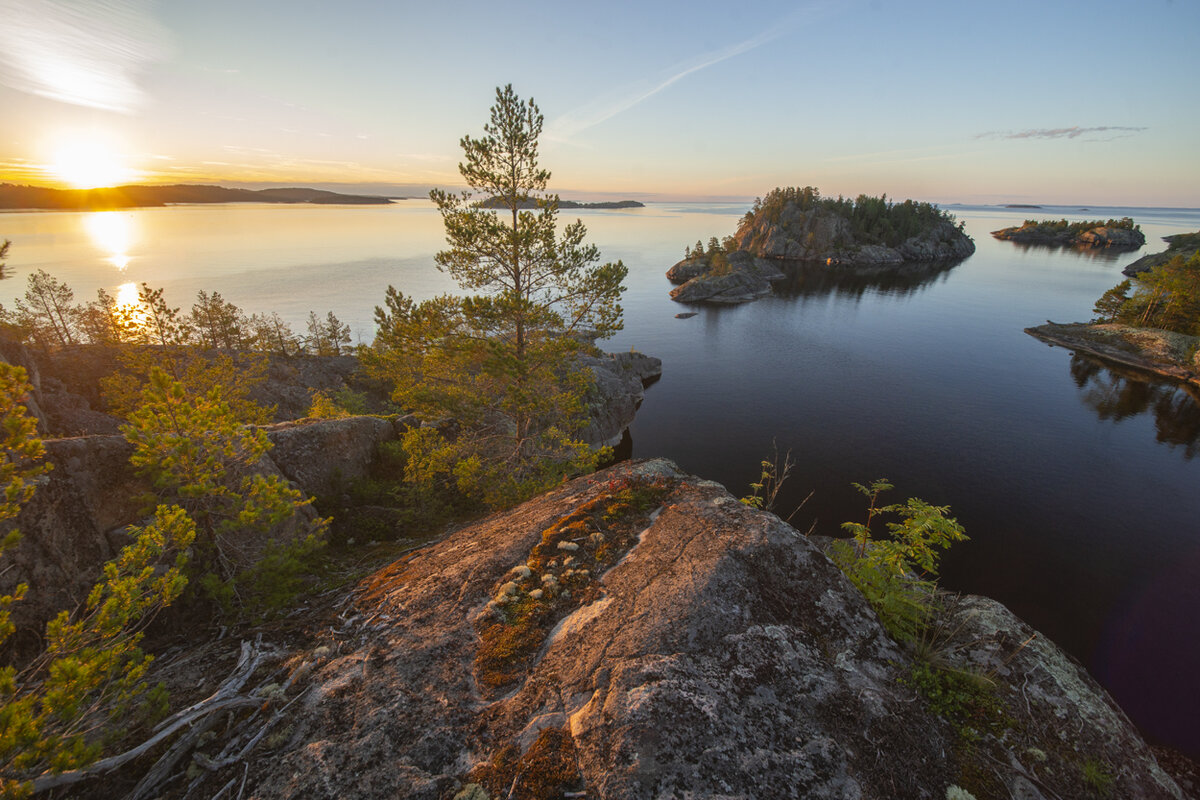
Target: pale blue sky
point(1049, 102)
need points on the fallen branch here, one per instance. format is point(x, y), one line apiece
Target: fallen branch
point(226, 698)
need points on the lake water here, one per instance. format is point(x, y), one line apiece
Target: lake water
point(1078, 485)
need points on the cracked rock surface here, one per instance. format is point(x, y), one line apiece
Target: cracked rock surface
point(724, 657)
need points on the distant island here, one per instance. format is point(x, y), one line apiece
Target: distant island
point(1021, 205)
point(1181, 244)
point(1119, 234)
point(36, 197)
point(496, 202)
point(867, 233)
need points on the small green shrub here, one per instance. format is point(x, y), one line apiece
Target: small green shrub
point(1097, 777)
point(895, 574)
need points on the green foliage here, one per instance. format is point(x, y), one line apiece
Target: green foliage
point(873, 220)
point(219, 324)
point(500, 362)
point(773, 472)
point(1097, 777)
point(48, 311)
point(1166, 297)
point(894, 573)
point(327, 337)
point(1073, 229)
point(21, 467)
point(62, 709)
point(60, 712)
point(338, 403)
point(1108, 307)
point(270, 334)
point(196, 453)
point(151, 335)
point(964, 698)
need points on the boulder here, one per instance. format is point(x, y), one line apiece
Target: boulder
point(321, 455)
point(723, 655)
point(1120, 238)
point(748, 278)
point(687, 269)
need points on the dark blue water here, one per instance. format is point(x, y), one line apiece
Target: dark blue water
point(1078, 485)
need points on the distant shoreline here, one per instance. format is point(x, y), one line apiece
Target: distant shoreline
point(35, 198)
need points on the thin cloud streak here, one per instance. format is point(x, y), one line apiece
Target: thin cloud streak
point(1072, 132)
point(580, 119)
point(82, 53)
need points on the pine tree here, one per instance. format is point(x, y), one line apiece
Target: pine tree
point(198, 455)
point(500, 361)
point(58, 712)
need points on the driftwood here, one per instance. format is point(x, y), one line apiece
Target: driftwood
point(196, 718)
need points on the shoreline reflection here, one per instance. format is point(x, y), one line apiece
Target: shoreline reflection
point(1116, 393)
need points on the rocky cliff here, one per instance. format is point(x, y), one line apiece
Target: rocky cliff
point(640, 633)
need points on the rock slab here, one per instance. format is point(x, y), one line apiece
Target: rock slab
point(725, 657)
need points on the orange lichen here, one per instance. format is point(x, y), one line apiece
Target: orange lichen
point(548, 769)
point(566, 564)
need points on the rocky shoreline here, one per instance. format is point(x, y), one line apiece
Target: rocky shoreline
point(1163, 353)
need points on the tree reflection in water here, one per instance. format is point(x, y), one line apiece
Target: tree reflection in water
point(1116, 393)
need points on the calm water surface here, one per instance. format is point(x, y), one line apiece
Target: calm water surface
point(1077, 484)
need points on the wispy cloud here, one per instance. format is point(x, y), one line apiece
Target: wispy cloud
point(580, 119)
point(1073, 132)
point(83, 52)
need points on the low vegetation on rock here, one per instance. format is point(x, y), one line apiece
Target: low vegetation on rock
point(1120, 234)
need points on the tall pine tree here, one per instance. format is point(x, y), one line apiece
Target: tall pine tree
point(502, 361)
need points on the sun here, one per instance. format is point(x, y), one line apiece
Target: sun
point(88, 163)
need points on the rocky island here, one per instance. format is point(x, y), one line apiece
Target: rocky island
point(867, 234)
point(1117, 234)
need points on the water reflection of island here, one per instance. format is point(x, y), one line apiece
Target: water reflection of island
point(806, 278)
point(1115, 393)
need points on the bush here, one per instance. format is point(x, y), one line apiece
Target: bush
point(895, 574)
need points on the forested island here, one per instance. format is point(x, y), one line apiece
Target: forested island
point(140, 196)
point(1119, 234)
point(867, 233)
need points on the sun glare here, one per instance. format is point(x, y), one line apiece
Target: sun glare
point(113, 233)
point(88, 163)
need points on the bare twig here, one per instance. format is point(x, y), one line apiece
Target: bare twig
point(226, 698)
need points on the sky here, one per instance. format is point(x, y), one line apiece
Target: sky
point(952, 102)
